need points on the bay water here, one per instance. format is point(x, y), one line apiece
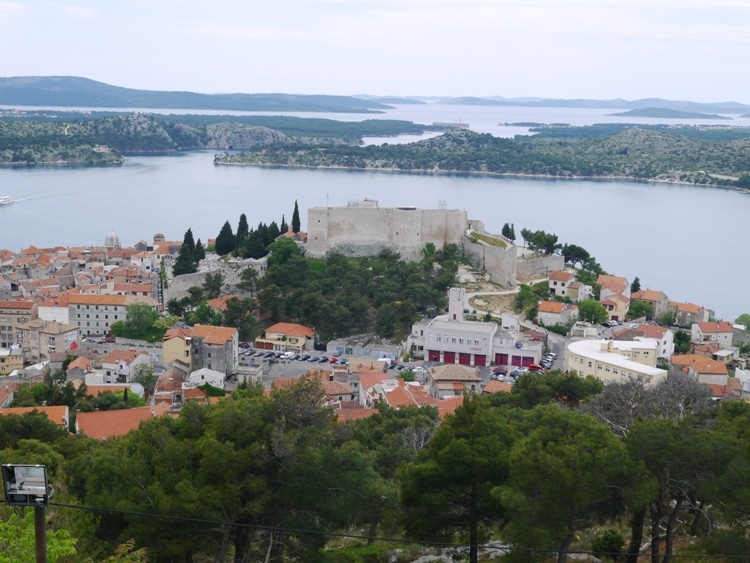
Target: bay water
point(690, 242)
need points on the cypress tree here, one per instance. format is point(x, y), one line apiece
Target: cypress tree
point(200, 252)
point(295, 218)
point(225, 241)
point(284, 227)
point(273, 231)
point(242, 232)
point(189, 241)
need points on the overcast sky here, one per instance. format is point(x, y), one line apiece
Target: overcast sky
point(676, 49)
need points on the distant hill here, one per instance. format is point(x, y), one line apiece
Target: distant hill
point(667, 113)
point(71, 91)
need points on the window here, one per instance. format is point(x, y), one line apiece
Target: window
point(590, 363)
point(484, 342)
point(476, 342)
point(453, 339)
point(461, 340)
point(439, 338)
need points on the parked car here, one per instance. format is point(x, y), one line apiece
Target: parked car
point(500, 370)
point(343, 361)
point(268, 355)
point(333, 360)
point(313, 359)
point(323, 359)
point(304, 357)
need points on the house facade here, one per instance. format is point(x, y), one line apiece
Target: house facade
point(119, 366)
point(286, 336)
point(550, 313)
point(451, 380)
point(559, 283)
point(614, 360)
point(657, 299)
point(14, 315)
point(94, 314)
point(721, 333)
point(214, 347)
point(43, 338)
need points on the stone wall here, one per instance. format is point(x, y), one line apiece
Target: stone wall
point(535, 266)
point(499, 263)
point(231, 270)
point(366, 230)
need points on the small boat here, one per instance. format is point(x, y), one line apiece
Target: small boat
point(5, 199)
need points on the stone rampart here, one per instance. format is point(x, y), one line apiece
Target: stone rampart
point(366, 230)
point(535, 266)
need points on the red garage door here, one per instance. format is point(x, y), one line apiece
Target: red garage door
point(515, 361)
point(464, 359)
point(480, 360)
point(526, 361)
point(449, 357)
point(433, 355)
point(501, 359)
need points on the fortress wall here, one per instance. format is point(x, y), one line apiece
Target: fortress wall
point(539, 266)
point(499, 263)
point(358, 231)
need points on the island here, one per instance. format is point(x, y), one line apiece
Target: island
point(667, 113)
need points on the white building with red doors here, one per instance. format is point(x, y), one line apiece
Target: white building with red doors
point(449, 339)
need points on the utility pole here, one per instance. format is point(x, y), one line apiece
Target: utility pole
point(40, 533)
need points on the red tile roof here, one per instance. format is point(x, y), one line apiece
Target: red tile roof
point(111, 424)
point(291, 329)
point(57, 414)
point(449, 406)
point(216, 335)
point(714, 328)
point(560, 275)
point(550, 307)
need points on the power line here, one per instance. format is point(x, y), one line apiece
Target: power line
point(426, 543)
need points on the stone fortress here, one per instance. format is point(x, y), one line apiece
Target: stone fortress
point(363, 228)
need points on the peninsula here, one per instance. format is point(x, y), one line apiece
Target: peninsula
point(635, 153)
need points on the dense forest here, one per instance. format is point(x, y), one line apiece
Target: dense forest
point(635, 153)
point(556, 466)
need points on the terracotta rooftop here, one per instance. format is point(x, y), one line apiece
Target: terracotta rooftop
point(561, 275)
point(57, 414)
point(25, 304)
point(713, 328)
point(449, 406)
point(220, 303)
point(550, 307)
point(367, 380)
point(111, 424)
point(122, 356)
point(454, 372)
point(701, 364)
point(647, 295)
point(291, 329)
point(216, 335)
point(495, 386)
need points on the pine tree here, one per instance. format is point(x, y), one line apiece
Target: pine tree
point(225, 241)
point(295, 218)
point(506, 231)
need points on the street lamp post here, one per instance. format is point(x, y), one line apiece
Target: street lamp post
point(27, 485)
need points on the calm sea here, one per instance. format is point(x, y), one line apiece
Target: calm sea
point(686, 241)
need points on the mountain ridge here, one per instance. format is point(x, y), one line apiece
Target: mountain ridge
point(73, 91)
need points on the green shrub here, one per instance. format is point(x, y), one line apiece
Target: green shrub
point(609, 544)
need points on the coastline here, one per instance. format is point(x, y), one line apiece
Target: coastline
point(497, 174)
